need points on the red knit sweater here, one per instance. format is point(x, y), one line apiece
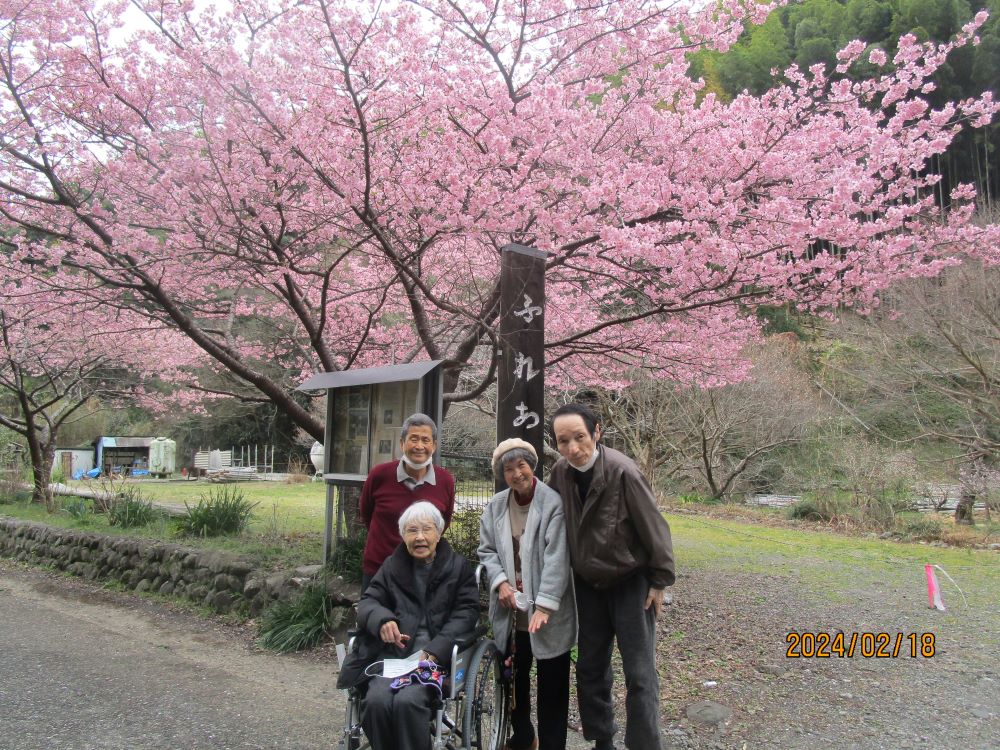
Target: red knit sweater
point(383, 500)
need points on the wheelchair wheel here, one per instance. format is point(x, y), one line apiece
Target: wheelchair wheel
point(486, 700)
point(351, 736)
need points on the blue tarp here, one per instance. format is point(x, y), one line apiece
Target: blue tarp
point(94, 473)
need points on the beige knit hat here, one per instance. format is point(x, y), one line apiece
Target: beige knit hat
point(505, 447)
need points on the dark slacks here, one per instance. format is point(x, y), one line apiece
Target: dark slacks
point(552, 698)
point(397, 721)
point(607, 615)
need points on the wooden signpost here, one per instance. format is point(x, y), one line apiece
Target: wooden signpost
point(521, 378)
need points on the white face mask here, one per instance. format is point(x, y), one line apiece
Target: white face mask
point(423, 465)
point(590, 461)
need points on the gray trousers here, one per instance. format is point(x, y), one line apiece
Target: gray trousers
point(604, 616)
point(397, 721)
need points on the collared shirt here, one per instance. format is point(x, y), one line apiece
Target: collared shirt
point(384, 497)
point(402, 476)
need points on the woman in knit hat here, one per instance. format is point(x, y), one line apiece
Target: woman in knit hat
point(523, 547)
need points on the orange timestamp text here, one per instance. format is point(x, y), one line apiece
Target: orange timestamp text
point(808, 645)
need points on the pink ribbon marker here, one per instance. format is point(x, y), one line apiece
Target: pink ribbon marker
point(933, 590)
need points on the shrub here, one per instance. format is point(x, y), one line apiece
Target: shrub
point(11, 490)
point(347, 557)
point(226, 510)
point(692, 497)
point(924, 528)
point(131, 510)
point(77, 508)
point(812, 509)
point(300, 623)
point(14, 495)
point(299, 471)
point(108, 489)
point(463, 532)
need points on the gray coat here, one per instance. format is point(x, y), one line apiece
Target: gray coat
point(545, 568)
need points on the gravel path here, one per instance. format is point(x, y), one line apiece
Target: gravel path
point(729, 627)
point(87, 669)
point(951, 700)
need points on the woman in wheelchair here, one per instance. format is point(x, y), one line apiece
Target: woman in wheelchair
point(424, 598)
point(523, 548)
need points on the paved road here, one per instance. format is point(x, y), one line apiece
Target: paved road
point(82, 669)
point(86, 669)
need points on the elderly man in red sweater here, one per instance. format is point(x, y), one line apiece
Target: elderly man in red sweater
point(394, 486)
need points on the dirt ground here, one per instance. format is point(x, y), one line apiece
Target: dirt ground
point(725, 639)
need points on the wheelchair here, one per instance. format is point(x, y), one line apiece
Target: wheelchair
point(472, 713)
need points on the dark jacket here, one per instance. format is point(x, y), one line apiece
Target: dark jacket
point(617, 530)
point(450, 612)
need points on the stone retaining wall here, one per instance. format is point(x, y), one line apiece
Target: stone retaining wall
point(218, 580)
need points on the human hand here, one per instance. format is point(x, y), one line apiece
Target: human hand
point(538, 619)
point(654, 597)
point(507, 595)
point(389, 633)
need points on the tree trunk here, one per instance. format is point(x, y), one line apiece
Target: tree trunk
point(41, 476)
point(963, 511)
point(350, 497)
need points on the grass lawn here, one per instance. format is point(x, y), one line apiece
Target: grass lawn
point(289, 507)
point(834, 564)
point(286, 529)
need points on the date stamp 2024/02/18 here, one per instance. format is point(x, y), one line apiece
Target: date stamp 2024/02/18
point(808, 645)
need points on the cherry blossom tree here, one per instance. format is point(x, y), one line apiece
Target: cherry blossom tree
point(59, 353)
point(324, 184)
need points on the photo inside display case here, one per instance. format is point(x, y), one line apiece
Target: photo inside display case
point(350, 438)
point(393, 403)
point(370, 413)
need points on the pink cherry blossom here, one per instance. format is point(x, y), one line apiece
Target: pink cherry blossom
point(294, 187)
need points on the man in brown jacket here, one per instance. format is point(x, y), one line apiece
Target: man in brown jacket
point(622, 560)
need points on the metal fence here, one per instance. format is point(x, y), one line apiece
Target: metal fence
point(473, 476)
point(473, 489)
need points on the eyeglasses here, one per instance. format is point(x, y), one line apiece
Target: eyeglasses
point(414, 530)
